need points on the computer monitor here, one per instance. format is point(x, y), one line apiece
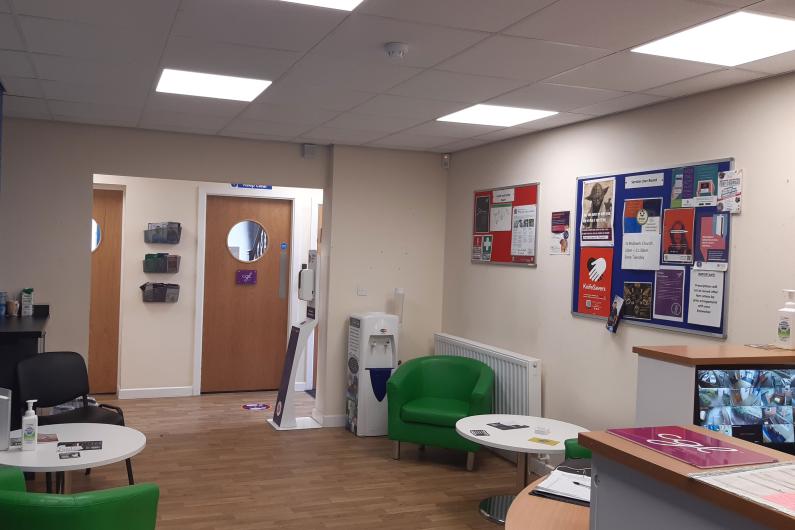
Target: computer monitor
point(752, 403)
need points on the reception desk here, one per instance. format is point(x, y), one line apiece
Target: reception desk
point(634, 487)
point(667, 376)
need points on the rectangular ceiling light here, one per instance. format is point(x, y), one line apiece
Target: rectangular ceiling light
point(210, 85)
point(496, 115)
point(728, 41)
point(344, 5)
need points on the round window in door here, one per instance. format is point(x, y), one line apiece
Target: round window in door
point(96, 235)
point(247, 241)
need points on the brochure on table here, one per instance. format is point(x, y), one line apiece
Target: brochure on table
point(660, 240)
point(504, 227)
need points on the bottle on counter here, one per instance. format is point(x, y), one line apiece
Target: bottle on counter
point(786, 320)
point(30, 428)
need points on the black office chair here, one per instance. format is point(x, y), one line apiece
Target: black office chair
point(54, 378)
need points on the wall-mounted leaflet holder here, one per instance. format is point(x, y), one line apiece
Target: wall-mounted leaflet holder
point(166, 232)
point(160, 292)
point(161, 262)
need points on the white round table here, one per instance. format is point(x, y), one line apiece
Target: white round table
point(517, 440)
point(118, 444)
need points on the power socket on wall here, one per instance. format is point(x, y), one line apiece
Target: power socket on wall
point(361, 291)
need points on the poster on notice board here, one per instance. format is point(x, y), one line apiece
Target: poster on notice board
point(598, 199)
point(504, 225)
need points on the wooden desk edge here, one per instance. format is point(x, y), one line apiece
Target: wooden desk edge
point(700, 355)
point(524, 513)
point(662, 468)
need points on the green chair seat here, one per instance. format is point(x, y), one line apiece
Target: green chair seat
point(444, 412)
point(127, 508)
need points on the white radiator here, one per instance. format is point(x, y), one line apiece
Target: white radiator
point(517, 383)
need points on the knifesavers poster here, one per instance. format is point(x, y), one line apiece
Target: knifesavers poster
point(595, 278)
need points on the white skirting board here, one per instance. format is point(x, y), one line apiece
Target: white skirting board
point(162, 392)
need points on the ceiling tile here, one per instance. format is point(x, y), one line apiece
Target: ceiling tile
point(192, 104)
point(548, 96)
point(778, 64)
point(93, 71)
point(427, 109)
point(705, 82)
point(510, 132)
point(413, 141)
point(73, 39)
point(562, 118)
point(19, 107)
point(267, 24)
point(346, 72)
point(452, 86)
point(155, 14)
point(92, 113)
point(258, 127)
point(473, 14)
point(517, 58)
point(784, 8)
point(614, 24)
point(460, 145)
point(368, 122)
point(362, 37)
point(124, 94)
point(202, 123)
point(330, 135)
point(199, 55)
point(297, 114)
point(621, 104)
point(632, 72)
point(9, 35)
point(15, 64)
point(453, 130)
point(290, 90)
point(22, 86)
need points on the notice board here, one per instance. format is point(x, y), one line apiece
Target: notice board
point(660, 240)
point(504, 225)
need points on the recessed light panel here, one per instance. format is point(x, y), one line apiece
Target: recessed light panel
point(210, 85)
point(496, 115)
point(728, 41)
point(344, 5)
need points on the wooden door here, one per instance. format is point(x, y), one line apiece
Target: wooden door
point(244, 333)
point(103, 337)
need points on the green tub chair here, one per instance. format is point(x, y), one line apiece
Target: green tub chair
point(427, 396)
point(127, 508)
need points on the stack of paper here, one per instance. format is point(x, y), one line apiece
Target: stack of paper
point(568, 485)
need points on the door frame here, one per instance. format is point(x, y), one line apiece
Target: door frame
point(123, 189)
point(296, 259)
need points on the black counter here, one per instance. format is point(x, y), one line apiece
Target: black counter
point(19, 338)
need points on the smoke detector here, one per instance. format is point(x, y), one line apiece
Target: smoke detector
point(396, 50)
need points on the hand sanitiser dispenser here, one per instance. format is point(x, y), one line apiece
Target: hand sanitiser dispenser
point(372, 357)
point(785, 337)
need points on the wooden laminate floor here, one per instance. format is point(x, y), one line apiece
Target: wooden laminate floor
point(221, 467)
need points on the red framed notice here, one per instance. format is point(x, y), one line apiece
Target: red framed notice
point(505, 225)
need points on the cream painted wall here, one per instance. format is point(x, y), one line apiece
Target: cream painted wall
point(45, 198)
point(387, 231)
point(162, 335)
point(590, 375)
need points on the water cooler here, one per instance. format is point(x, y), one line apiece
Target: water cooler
point(372, 357)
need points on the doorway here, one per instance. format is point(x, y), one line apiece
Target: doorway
point(246, 293)
point(103, 337)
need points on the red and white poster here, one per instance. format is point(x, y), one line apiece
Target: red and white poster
point(595, 278)
point(678, 235)
point(504, 225)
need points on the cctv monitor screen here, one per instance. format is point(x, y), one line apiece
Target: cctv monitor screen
point(746, 402)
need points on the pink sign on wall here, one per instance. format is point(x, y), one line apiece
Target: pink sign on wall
point(691, 447)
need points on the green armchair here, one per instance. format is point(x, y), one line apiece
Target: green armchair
point(127, 508)
point(427, 396)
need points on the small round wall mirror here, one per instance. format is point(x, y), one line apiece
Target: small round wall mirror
point(247, 241)
point(96, 235)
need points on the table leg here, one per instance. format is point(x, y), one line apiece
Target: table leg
point(495, 509)
point(67, 482)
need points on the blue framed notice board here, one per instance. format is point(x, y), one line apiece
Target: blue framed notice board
point(660, 240)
